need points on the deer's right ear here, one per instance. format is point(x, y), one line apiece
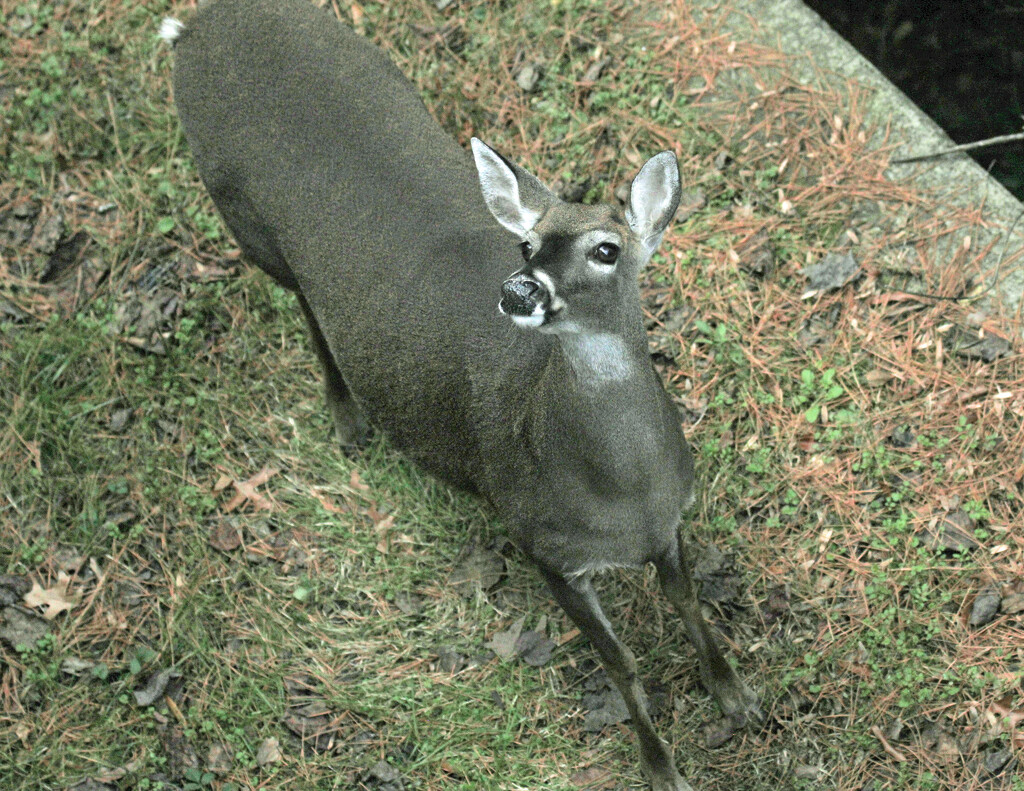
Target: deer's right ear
point(515, 197)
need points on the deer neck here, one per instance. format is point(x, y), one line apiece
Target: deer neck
point(598, 359)
point(609, 357)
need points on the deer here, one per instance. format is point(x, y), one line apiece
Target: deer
point(490, 330)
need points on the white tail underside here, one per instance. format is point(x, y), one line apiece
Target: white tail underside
point(170, 29)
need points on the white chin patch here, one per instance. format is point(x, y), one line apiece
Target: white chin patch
point(535, 319)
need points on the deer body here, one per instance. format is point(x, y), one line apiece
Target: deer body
point(336, 181)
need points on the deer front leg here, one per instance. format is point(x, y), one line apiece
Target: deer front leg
point(579, 600)
point(734, 697)
point(350, 426)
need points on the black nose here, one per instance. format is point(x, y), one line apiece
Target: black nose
point(520, 294)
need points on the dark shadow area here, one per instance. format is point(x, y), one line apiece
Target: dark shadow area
point(962, 63)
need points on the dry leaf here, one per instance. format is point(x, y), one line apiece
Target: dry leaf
point(326, 502)
point(357, 16)
point(268, 753)
point(876, 377)
point(504, 643)
point(1006, 715)
point(384, 524)
point(225, 536)
point(356, 483)
point(262, 476)
point(572, 634)
point(593, 777)
point(247, 491)
point(53, 600)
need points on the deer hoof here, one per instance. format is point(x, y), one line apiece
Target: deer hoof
point(741, 704)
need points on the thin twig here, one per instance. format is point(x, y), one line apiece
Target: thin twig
point(896, 754)
point(992, 141)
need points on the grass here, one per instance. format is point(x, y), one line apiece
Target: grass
point(835, 433)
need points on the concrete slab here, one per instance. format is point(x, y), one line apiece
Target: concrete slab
point(819, 53)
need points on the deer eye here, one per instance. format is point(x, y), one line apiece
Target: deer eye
point(606, 253)
point(527, 249)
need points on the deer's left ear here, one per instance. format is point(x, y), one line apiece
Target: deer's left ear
point(515, 197)
point(653, 198)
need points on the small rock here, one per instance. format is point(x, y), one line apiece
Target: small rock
point(48, 233)
point(833, 272)
point(74, 666)
point(677, 319)
point(480, 569)
point(384, 777)
point(985, 607)
point(1012, 604)
point(16, 583)
point(312, 723)
point(385, 772)
point(296, 557)
point(219, 759)
point(994, 762)
point(67, 559)
point(805, 772)
point(987, 348)
point(592, 777)
point(13, 589)
point(534, 648)
point(119, 419)
point(528, 77)
point(269, 752)
point(722, 160)
point(449, 660)
point(593, 73)
point(757, 256)
point(902, 437)
point(605, 708)
point(690, 202)
point(952, 532)
point(21, 628)
point(169, 429)
point(408, 603)
point(155, 686)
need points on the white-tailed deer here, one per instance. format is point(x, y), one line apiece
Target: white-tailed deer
point(337, 183)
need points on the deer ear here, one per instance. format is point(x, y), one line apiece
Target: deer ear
point(514, 196)
point(653, 198)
